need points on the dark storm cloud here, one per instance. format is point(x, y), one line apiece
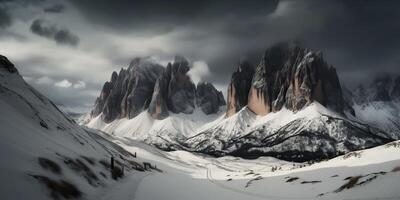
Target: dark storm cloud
point(163, 16)
point(5, 19)
point(57, 8)
point(61, 36)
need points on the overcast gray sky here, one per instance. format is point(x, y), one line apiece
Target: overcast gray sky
point(68, 48)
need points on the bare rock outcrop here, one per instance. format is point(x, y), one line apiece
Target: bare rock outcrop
point(239, 87)
point(129, 92)
point(174, 91)
point(292, 76)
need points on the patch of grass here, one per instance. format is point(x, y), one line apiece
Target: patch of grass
point(291, 179)
point(59, 188)
point(49, 165)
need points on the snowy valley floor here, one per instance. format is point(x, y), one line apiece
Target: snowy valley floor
point(368, 174)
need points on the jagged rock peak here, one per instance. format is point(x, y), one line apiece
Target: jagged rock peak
point(174, 90)
point(239, 87)
point(7, 65)
point(128, 92)
point(292, 76)
point(208, 98)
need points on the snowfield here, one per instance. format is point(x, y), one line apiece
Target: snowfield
point(196, 176)
point(46, 155)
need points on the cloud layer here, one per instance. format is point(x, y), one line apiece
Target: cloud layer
point(46, 29)
point(86, 40)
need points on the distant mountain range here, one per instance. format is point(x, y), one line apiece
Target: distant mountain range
point(291, 106)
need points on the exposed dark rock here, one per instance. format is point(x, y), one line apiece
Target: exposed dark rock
point(6, 64)
point(174, 91)
point(292, 76)
point(382, 88)
point(129, 92)
point(238, 90)
point(208, 98)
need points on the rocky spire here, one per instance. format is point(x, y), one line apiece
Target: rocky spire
point(128, 92)
point(288, 75)
point(239, 87)
point(174, 90)
point(208, 98)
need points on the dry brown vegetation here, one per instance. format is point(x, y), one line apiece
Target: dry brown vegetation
point(352, 181)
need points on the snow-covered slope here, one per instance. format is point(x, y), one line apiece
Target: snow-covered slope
point(312, 133)
point(378, 103)
point(173, 129)
point(375, 173)
point(384, 115)
point(46, 155)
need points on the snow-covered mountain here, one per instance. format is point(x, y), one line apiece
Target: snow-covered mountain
point(378, 103)
point(44, 153)
point(290, 106)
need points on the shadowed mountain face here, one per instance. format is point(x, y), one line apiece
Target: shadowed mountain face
point(129, 92)
point(292, 76)
point(146, 85)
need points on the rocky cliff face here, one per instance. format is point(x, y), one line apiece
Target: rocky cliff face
point(129, 92)
point(292, 76)
point(208, 98)
point(149, 86)
point(174, 91)
point(7, 65)
point(238, 89)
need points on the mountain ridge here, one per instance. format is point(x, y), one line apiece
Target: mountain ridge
point(289, 80)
